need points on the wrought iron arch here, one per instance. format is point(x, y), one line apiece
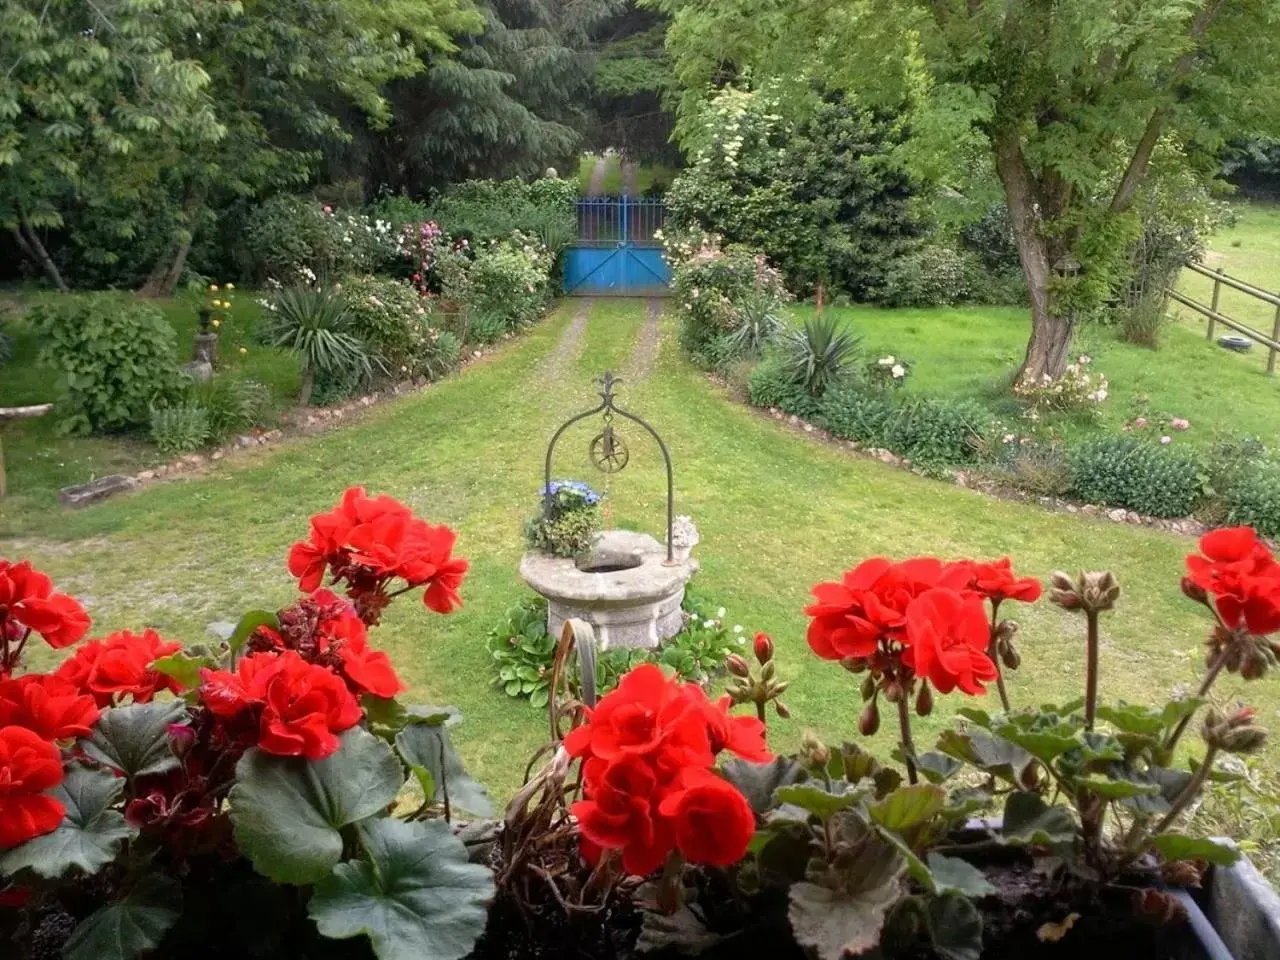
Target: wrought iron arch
point(609, 448)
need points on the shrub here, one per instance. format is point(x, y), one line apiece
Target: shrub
point(114, 357)
point(991, 239)
point(936, 275)
point(731, 299)
point(771, 385)
point(504, 284)
point(818, 194)
point(398, 210)
point(6, 344)
point(1254, 499)
point(297, 240)
point(1078, 389)
point(335, 388)
point(180, 428)
point(315, 324)
point(567, 520)
point(1038, 468)
point(927, 430)
point(819, 353)
point(231, 405)
point(391, 319)
point(484, 210)
point(1125, 471)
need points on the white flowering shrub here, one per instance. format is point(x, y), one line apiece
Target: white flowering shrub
point(1079, 388)
point(394, 321)
point(296, 240)
point(888, 372)
point(505, 284)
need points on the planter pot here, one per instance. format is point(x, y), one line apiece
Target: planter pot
point(1244, 910)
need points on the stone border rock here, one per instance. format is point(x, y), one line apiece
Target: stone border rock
point(977, 482)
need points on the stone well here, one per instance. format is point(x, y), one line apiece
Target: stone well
point(626, 589)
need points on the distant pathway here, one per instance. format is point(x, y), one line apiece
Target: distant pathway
point(629, 170)
point(595, 186)
point(644, 356)
point(558, 360)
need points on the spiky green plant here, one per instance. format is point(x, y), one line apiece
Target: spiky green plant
point(314, 324)
point(819, 353)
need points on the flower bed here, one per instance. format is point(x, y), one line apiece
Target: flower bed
point(153, 792)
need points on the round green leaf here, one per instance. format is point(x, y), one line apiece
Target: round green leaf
point(908, 807)
point(959, 876)
point(415, 896)
point(427, 745)
point(90, 833)
point(135, 739)
point(1176, 846)
point(123, 930)
point(287, 811)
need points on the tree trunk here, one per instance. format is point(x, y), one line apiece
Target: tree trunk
point(164, 277)
point(308, 384)
point(1050, 345)
point(29, 242)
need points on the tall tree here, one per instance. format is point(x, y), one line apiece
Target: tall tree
point(84, 84)
point(1069, 98)
point(509, 102)
point(631, 85)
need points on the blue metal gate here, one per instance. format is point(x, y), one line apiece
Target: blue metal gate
point(616, 253)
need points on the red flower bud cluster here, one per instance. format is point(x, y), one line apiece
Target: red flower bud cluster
point(366, 542)
point(648, 749)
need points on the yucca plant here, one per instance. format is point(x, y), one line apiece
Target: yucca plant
point(818, 353)
point(315, 325)
point(759, 324)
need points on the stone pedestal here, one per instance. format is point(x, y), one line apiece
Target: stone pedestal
point(206, 349)
point(625, 589)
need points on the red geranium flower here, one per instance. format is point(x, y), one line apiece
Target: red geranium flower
point(740, 735)
point(119, 666)
point(869, 604)
point(366, 670)
point(300, 707)
point(712, 821)
point(47, 705)
point(621, 814)
point(947, 637)
point(367, 541)
point(1240, 574)
point(996, 581)
point(29, 765)
point(26, 596)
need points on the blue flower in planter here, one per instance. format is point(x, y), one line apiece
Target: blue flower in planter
point(574, 487)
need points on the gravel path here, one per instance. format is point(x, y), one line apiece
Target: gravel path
point(644, 357)
point(595, 186)
point(570, 343)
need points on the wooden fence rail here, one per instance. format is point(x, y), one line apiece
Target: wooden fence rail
point(1213, 315)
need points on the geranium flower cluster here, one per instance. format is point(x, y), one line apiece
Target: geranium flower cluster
point(648, 751)
point(367, 542)
point(1239, 579)
point(920, 618)
point(40, 712)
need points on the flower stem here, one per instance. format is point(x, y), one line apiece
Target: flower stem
point(1215, 668)
point(1091, 670)
point(993, 652)
point(1189, 793)
point(908, 745)
point(760, 711)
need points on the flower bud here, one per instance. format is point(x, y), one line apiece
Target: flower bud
point(763, 646)
point(814, 751)
point(924, 700)
point(854, 664)
point(868, 687)
point(1254, 666)
point(1006, 630)
point(869, 722)
point(1062, 591)
point(1194, 591)
point(1010, 656)
point(893, 691)
point(781, 709)
point(737, 666)
point(1234, 731)
point(769, 670)
point(1100, 590)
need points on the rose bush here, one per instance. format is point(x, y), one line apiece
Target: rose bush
point(145, 788)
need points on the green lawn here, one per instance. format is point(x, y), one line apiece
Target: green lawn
point(778, 511)
point(40, 460)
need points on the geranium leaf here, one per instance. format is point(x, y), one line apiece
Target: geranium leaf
point(682, 930)
point(951, 874)
point(1044, 745)
point(129, 927)
point(908, 807)
point(994, 755)
point(835, 924)
point(816, 799)
point(90, 833)
point(287, 811)
point(250, 622)
point(415, 896)
point(937, 767)
point(974, 715)
point(1177, 846)
point(758, 782)
point(1117, 788)
point(135, 739)
point(424, 744)
point(955, 926)
point(1028, 819)
point(183, 667)
point(384, 713)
